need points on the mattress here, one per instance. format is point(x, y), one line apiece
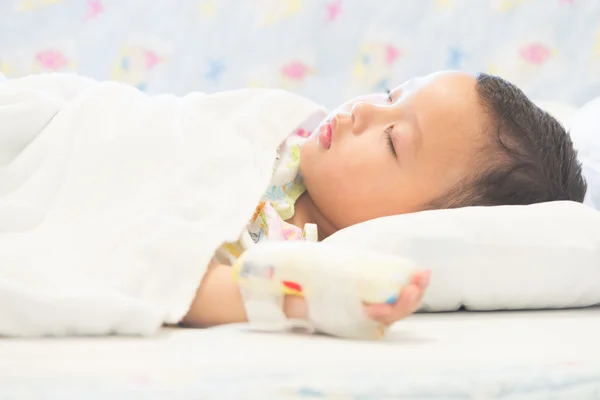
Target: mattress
point(464, 355)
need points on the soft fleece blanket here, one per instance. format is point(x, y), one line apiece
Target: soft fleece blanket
point(112, 202)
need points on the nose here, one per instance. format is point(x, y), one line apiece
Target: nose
point(363, 114)
point(358, 120)
point(343, 121)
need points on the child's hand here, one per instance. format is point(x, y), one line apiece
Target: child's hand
point(408, 301)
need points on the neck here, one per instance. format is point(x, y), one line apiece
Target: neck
point(306, 212)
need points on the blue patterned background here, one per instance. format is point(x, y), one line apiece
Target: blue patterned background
point(327, 50)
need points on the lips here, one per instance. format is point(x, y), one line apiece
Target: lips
point(325, 134)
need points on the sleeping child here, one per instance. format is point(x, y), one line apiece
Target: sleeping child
point(442, 141)
point(119, 199)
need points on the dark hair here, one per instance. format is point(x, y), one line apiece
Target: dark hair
point(531, 160)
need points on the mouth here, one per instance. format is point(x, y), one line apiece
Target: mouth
point(325, 135)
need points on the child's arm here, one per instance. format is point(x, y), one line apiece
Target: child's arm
point(218, 300)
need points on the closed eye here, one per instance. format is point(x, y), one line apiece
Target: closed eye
point(390, 142)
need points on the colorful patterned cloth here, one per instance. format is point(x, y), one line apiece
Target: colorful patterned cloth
point(277, 204)
point(550, 48)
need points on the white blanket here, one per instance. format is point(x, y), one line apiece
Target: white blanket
point(112, 202)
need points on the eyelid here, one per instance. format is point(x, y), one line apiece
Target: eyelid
point(390, 140)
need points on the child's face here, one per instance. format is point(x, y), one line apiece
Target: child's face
point(434, 125)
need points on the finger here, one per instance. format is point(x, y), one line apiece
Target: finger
point(387, 314)
point(403, 301)
point(421, 279)
point(294, 307)
point(423, 283)
point(406, 304)
point(417, 303)
point(377, 311)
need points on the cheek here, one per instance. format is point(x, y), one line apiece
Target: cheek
point(340, 199)
point(345, 187)
point(308, 157)
point(351, 165)
point(322, 169)
point(350, 201)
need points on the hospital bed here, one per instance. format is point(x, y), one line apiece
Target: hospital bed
point(455, 355)
point(462, 355)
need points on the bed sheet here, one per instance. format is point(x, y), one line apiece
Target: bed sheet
point(501, 355)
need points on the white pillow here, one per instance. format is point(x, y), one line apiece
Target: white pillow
point(585, 132)
point(491, 258)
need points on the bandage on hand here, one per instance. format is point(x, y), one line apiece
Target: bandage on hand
point(342, 292)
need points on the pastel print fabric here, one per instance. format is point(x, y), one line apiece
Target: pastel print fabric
point(327, 50)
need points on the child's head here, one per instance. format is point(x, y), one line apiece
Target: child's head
point(442, 141)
